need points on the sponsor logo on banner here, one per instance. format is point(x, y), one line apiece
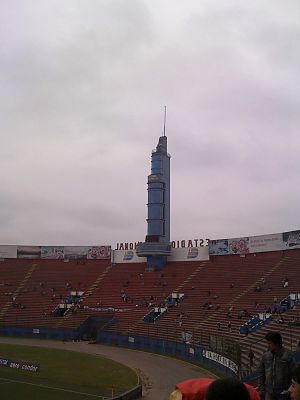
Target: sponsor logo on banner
point(193, 252)
point(220, 360)
point(128, 255)
point(5, 362)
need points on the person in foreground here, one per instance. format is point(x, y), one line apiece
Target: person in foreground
point(294, 389)
point(209, 389)
point(275, 370)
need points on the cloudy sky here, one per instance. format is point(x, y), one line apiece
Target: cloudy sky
point(83, 84)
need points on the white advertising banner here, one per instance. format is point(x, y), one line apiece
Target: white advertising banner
point(262, 243)
point(185, 254)
point(8, 251)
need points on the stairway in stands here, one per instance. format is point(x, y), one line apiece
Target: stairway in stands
point(17, 291)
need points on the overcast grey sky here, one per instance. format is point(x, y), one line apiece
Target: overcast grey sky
point(83, 88)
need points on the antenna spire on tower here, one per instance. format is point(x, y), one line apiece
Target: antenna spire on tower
point(165, 117)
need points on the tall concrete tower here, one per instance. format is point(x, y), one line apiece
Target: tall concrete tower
point(157, 244)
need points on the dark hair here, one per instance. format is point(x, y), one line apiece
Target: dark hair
point(227, 389)
point(274, 337)
point(296, 374)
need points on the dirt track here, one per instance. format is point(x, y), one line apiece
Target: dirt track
point(159, 374)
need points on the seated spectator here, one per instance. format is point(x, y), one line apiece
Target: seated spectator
point(280, 320)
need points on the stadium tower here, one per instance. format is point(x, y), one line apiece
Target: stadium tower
point(157, 244)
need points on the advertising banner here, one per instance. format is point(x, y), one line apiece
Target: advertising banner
point(8, 251)
point(75, 252)
point(265, 243)
point(218, 247)
point(291, 240)
point(32, 252)
point(52, 252)
point(98, 252)
point(220, 360)
point(5, 362)
point(238, 245)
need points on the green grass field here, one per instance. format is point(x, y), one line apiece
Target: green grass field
point(63, 375)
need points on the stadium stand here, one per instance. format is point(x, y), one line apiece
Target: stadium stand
point(217, 297)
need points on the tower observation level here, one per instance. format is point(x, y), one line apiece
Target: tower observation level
point(157, 244)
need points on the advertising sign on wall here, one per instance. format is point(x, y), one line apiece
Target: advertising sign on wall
point(218, 247)
point(98, 252)
point(26, 366)
point(238, 245)
point(220, 360)
point(32, 252)
point(291, 240)
point(265, 243)
point(8, 251)
point(52, 252)
point(75, 252)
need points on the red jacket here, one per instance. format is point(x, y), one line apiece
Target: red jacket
point(195, 389)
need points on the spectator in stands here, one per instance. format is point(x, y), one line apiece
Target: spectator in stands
point(275, 368)
point(280, 320)
point(219, 326)
point(229, 326)
point(285, 282)
point(294, 389)
point(251, 356)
